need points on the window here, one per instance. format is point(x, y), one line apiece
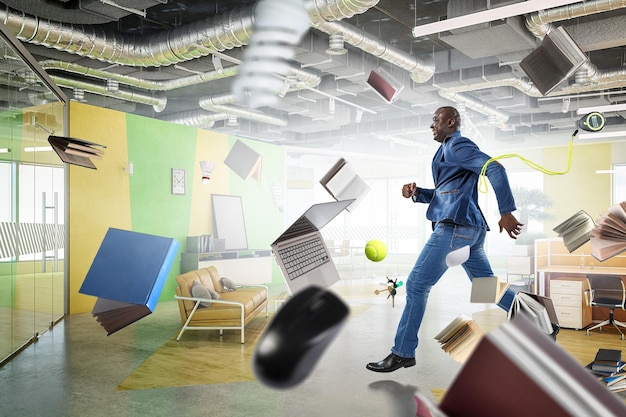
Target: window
point(619, 183)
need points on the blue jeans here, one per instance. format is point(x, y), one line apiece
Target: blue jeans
point(429, 268)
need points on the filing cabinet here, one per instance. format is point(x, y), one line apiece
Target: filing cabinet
point(569, 296)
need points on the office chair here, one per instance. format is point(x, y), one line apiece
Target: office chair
point(607, 291)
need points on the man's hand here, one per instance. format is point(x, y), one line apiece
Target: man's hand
point(409, 190)
point(509, 223)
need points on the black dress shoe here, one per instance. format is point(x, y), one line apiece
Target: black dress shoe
point(391, 363)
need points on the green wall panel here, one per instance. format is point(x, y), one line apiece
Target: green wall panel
point(155, 147)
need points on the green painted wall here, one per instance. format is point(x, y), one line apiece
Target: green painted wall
point(155, 147)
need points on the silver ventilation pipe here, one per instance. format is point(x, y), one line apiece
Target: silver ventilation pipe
point(195, 118)
point(524, 86)
point(540, 23)
point(420, 71)
point(494, 115)
point(183, 43)
point(138, 82)
point(198, 39)
point(157, 103)
point(220, 103)
point(299, 77)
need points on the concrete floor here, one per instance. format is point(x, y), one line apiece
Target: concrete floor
point(75, 369)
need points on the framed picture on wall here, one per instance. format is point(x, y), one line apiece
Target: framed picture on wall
point(178, 181)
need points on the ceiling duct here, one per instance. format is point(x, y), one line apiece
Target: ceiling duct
point(194, 40)
point(540, 23)
point(157, 103)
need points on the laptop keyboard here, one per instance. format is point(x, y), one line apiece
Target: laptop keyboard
point(303, 257)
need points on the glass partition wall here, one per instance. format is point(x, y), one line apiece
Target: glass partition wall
point(32, 200)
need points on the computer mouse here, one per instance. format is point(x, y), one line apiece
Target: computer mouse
point(297, 336)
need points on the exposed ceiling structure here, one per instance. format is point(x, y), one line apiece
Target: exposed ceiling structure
point(176, 60)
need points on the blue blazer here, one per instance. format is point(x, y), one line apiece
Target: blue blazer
point(456, 169)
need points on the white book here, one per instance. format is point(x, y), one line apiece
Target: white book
point(534, 310)
point(487, 289)
point(343, 183)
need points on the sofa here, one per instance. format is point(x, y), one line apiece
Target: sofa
point(208, 304)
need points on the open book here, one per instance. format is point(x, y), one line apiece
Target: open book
point(460, 338)
point(487, 289)
point(343, 183)
point(76, 151)
point(576, 230)
point(608, 237)
point(127, 275)
point(518, 371)
point(540, 310)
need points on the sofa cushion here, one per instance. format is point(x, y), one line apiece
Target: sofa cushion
point(228, 284)
point(200, 291)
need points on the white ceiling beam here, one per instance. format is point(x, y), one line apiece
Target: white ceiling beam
point(490, 15)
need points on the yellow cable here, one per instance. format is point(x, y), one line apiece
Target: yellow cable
point(482, 182)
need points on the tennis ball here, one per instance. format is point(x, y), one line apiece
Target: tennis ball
point(375, 250)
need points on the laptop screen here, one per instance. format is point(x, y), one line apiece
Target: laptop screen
point(316, 217)
point(321, 214)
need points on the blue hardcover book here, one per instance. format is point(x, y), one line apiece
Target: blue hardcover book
point(127, 275)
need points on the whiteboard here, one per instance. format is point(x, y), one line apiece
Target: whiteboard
point(228, 221)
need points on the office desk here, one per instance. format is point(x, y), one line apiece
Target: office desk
point(571, 299)
point(544, 273)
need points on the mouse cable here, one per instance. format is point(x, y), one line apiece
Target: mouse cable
point(482, 182)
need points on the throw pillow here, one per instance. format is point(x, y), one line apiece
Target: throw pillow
point(228, 284)
point(214, 294)
point(200, 291)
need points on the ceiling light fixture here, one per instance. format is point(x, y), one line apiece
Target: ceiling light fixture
point(38, 149)
point(128, 9)
point(490, 15)
point(602, 135)
point(602, 109)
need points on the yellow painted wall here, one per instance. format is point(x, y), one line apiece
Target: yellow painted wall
point(213, 147)
point(108, 186)
point(581, 188)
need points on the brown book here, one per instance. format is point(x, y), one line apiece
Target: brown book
point(518, 371)
point(76, 151)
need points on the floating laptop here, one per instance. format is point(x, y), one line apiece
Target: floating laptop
point(301, 252)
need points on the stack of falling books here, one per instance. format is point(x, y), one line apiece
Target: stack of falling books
point(610, 369)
